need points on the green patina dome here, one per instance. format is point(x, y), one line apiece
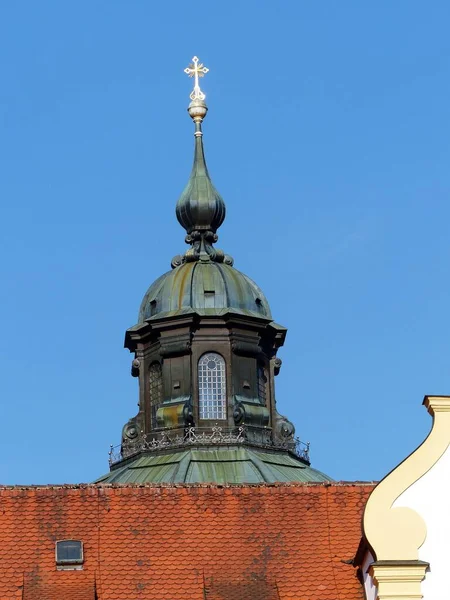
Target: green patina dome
point(219, 465)
point(206, 288)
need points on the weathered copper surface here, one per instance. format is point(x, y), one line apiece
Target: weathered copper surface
point(226, 464)
point(204, 288)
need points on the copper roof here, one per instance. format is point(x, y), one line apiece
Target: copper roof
point(207, 288)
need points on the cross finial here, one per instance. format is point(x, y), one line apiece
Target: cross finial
point(196, 70)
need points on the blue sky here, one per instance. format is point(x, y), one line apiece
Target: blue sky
point(327, 136)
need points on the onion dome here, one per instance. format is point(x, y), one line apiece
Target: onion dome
point(200, 207)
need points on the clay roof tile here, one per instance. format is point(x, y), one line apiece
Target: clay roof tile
point(273, 542)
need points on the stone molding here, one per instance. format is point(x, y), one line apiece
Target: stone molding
point(398, 579)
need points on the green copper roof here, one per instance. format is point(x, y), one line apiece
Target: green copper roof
point(218, 465)
point(205, 288)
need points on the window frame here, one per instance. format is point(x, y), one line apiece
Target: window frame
point(222, 373)
point(67, 562)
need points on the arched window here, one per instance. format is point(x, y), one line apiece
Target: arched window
point(262, 384)
point(212, 389)
point(155, 389)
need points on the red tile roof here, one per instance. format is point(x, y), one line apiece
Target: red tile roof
point(190, 542)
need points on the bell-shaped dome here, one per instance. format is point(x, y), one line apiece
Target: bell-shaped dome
point(206, 288)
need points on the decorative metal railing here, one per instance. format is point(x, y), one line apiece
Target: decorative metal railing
point(211, 436)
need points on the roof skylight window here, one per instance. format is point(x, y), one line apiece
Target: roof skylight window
point(69, 554)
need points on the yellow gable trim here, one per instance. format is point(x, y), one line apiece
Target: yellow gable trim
point(397, 533)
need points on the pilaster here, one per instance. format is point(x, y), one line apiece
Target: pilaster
point(397, 579)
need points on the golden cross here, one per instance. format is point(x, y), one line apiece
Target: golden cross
point(196, 70)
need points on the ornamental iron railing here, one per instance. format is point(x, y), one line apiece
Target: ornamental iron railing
point(207, 436)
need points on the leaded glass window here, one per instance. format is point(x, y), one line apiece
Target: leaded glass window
point(212, 389)
point(155, 389)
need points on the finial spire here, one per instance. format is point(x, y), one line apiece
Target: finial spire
point(197, 108)
point(200, 208)
point(196, 70)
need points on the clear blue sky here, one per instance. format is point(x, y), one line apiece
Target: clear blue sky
point(328, 137)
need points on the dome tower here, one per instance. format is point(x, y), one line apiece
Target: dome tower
point(205, 355)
